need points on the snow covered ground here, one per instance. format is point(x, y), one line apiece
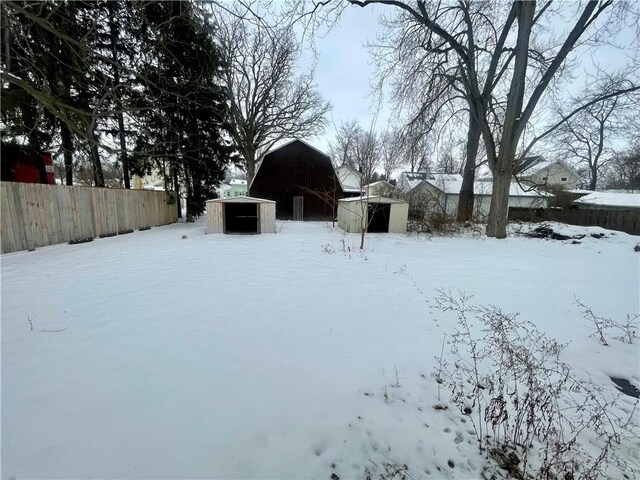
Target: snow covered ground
point(151, 355)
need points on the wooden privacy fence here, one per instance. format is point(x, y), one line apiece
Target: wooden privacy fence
point(622, 219)
point(35, 215)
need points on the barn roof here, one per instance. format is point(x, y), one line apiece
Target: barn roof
point(282, 146)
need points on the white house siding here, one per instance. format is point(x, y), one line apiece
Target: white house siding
point(436, 202)
point(553, 177)
point(349, 179)
point(481, 204)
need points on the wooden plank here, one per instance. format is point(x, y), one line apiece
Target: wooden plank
point(64, 212)
point(35, 215)
point(11, 224)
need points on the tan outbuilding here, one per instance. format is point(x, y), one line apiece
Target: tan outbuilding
point(378, 214)
point(243, 215)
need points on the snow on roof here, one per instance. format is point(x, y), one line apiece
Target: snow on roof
point(372, 199)
point(237, 181)
point(538, 165)
point(240, 200)
point(413, 179)
point(378, 183)
point(452, 183)
point(610, 199)
point(349, 179)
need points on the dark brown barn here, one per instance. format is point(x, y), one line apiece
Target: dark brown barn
point(296, 176)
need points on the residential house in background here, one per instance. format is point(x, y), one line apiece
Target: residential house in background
point(439, 193)
point(350, 180)
point(410, 180)
point(235, 188)
point(381, 188)
point(301, 179)
point(539, 172)
point(609, 201)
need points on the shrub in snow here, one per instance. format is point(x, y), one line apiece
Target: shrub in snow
point(529, 410)
point(627, 331)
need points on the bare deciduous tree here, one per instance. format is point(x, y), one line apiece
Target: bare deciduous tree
point(342, 148)
point(268, 101)
point(391, 153)
point(503, 97)
point(368, 158)
point(624, 169)
point(585, 139)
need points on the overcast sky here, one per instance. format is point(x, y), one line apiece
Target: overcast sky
point(343, 71)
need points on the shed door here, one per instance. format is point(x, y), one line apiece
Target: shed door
point(379, 214)
point(241, 218)
point(298, 208)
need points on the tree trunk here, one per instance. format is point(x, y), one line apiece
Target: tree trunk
point(116, 80)
point(98, 176)
point(466, 199)
point(593, 181)
point(364, 221)
point(189, 194)
point(67, 146)
point(250, 160)
point(502, 164)
point(499, 209)
point(176, 187)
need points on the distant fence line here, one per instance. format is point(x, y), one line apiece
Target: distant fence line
point(622, 219)
point(35, 215)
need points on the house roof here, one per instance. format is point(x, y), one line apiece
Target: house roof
point(342, 172)
point(525, 163)
point(240, 200)
point(610, 199)
point(236, 181)
point(372, 199)
point(378, 183)
point(452, 183)
point(534, 165)
point(413, 179)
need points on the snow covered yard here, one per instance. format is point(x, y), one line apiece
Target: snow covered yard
point(275, 356)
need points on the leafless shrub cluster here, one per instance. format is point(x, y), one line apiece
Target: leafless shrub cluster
point(627, 330)
point(529, 411)
point(387, 471)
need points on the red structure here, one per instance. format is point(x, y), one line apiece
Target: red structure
point(21, 164)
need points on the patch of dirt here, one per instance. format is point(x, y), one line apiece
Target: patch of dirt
point(626, 387)
point(545, 231)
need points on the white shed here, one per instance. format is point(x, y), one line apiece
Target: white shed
point(379, 214)
point(241, 215)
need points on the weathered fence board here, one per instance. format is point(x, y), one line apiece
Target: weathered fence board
point(622, 219)
point(34, 215)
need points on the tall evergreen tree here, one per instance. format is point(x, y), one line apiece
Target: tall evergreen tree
point(183, 112)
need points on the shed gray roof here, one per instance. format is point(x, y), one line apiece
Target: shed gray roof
point(240, 200)
point(372, 199)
